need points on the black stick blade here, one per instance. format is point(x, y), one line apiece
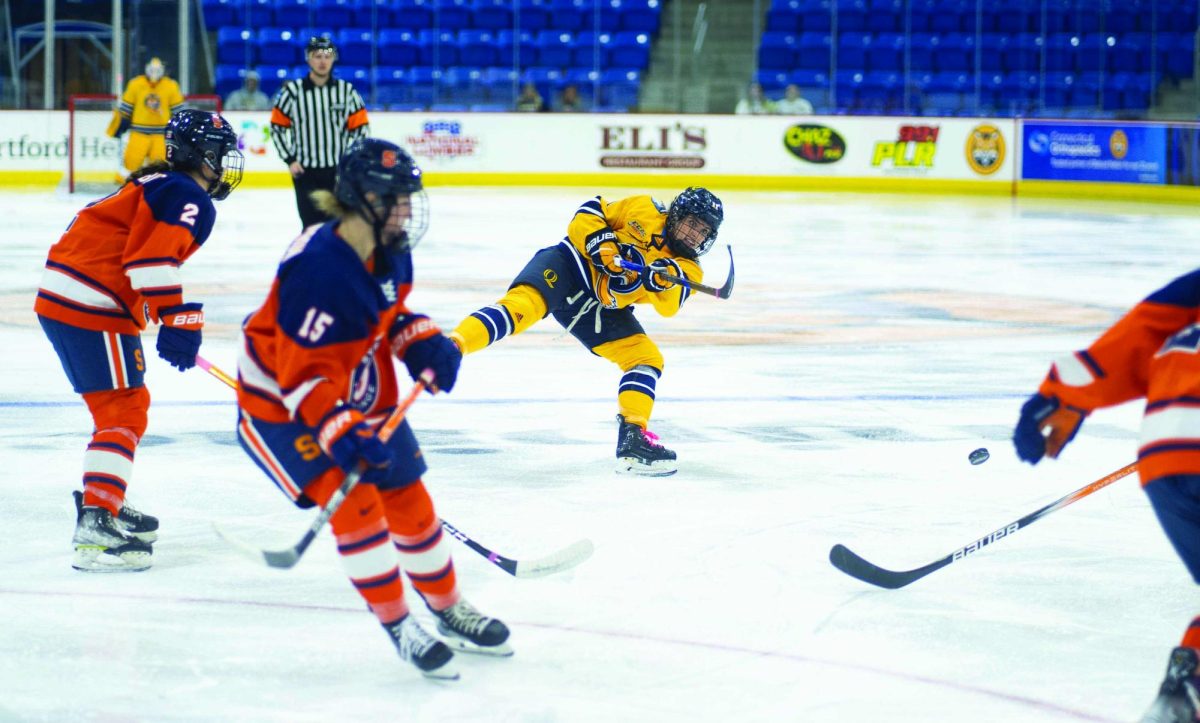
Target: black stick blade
point(846, 560)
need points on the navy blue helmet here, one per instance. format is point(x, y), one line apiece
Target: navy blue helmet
point(706, 207)
point(196, 138)
point(372, 177)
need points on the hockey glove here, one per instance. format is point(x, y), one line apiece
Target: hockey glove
point(604, 251)
point(420, 344)
point(1045, 427)
point(179, 335)
point(654, 281)
point(345, 436)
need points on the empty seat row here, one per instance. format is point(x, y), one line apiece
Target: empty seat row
point(1005, 16)
point(571, 15)
point(1166, 52)
point(279, 46)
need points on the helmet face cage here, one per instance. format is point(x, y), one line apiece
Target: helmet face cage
point(376, 167)
point(195, 138)
point(705, 206)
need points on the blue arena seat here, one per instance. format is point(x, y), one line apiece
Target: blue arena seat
point(885, 16)
point(887, 52)
point(478, 48)
point(276, 46)
point(592, 50)
point(778, 51)
point(220, 13)
point(641, 16)
point(771, 80)
point(376, 14)
point(413, 14)
point(452, 14)
point(523, 43)
point(535, 14)
point(814, 51)
point(271, 77)
point(547, 80)
point(494, 14)
point(570, 15)
point(257, 13)
point(783, 16)
point(228, 78)
point(335, 13)
point(398, 48)
point(852, 50)
point(354, 46)
point(438, 48)
point(294, 13)
point(554, 48)
point(236, 46)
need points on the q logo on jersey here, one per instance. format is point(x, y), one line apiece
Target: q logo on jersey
point(815, 144)
point(985, 149)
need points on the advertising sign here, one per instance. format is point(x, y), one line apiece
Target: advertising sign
point(1107, 152)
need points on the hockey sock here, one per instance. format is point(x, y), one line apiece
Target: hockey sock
point(120, 420)
point(360, 528)
point(642, 363)
point(1191, 639)
point(521, 308)
point(424, 550)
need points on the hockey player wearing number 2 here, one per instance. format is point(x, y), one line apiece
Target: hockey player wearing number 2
point(582, 283)
point(317, 379)
point(114, 270)
point(1152, 352)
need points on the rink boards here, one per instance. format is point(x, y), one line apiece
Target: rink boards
point(939, 155)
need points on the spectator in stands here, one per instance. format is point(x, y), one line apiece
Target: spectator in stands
point(755, 103)
point(529, 100)
point(792, 103)
point(248, 97)
point(569, 101)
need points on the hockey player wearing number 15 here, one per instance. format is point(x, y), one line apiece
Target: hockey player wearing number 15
point(114, 270)
point(582, 283)
point(1153, 352)
point(317, 378)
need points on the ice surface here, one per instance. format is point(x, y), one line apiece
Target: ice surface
point(871, 343)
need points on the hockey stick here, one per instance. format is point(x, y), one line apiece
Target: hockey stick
point(564, 559)
point(850, 563)
point(721, 293)
point(288, 557)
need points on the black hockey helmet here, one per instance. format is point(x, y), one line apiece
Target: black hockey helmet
point(385, 172)
point(698, 202)
point(319, 43)
point(196, 138)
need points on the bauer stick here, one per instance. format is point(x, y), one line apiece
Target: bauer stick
point(844, 559)
point(721, 293)
point(564, 559)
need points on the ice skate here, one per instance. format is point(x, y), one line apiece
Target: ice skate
point(470, 631)
point(136, 523)
point(431, 656)
point(102, 546)
point(1179, 697)
point(639, 452)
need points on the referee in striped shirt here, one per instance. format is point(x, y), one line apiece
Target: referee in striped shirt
point(314, 119)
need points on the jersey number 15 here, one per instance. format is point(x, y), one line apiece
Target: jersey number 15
point(315, 324)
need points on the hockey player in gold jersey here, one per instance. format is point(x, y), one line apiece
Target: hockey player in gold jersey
point(144, 110)
point(582, 283)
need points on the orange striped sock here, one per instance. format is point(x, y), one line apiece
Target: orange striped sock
point(424, 551)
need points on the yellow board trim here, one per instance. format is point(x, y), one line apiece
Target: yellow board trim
point(44, 180)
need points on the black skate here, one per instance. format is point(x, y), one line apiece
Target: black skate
point(470, 631)
point(639, 452)
point(102, 546)
point(431, 656)
point(1179, 697)
point(139, 524)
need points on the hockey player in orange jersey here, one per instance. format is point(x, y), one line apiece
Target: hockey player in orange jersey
point(1153, 352)
point(317, 377)
point(581, 282)
point(146, 106)
point(115, 270)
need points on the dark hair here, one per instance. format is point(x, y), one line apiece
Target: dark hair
point(149, 169)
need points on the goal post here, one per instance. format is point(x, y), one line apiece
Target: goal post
point(94, 161)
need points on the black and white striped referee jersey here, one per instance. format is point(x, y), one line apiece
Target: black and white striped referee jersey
point(313, 123)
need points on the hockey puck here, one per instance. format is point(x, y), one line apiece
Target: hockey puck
point(979, 456)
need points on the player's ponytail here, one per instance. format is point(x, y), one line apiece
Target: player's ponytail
point(146, 170)
point(328, 204)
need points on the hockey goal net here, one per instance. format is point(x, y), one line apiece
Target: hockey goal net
point(95, 161)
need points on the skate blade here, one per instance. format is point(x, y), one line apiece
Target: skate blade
point(93, 558)
point(503, 650)
point(641, 470)
point(446, 672)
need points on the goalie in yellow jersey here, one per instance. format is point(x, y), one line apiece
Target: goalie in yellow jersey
point(144, 110)
point(582, 283)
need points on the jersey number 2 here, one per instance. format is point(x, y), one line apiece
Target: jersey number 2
point(189, 214)
point(315, 324)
